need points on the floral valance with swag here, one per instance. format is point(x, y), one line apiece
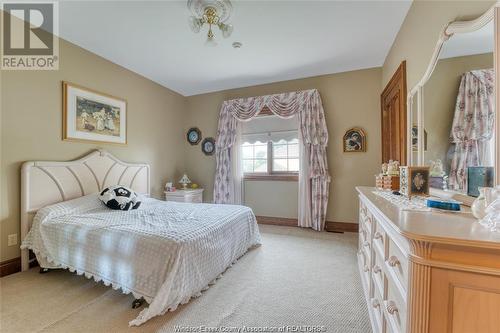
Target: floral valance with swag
point(314, 178)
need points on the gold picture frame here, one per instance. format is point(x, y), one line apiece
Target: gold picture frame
point(354, 140)
point(92, 116)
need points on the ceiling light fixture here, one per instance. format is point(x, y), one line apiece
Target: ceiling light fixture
point(213, 13)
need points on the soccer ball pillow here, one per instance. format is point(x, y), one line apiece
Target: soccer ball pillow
point(120, 198)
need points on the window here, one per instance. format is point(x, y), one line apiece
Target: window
point(279, 158)
point(255, 157)
point(285, 156)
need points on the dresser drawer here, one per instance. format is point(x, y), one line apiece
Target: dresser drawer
point(395, 308)
point(379, 238)
point(362, 209)
point(364, 240)
point(189, 195)
point(364, 270)
point(378, 275)
point(365, 217)
point(176, 199)
point(397, 265)
point(376, 307)
point(193, 199)
point(388, 327)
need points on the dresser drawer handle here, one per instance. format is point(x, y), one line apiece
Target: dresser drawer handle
point(391, 307)
point(376, 269)
point(393, 261)
point(377, 235)
point(375, 303)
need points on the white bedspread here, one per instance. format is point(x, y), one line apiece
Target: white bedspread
point(166, 252)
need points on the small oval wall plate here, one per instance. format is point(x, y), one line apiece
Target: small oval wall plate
point(208, 146)
point(193, 136)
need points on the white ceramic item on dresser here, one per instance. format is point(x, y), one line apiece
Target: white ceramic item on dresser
point(464, 49)
point(189, 195)
point(479, 205)
point(427, 271)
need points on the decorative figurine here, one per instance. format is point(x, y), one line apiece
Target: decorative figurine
point(393, 168)
point(437, 175)
point(437, 168)
point(384, 168)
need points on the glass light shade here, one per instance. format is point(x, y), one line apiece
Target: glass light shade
point(227, 29)
point(184, 181)
point(211, 42)
point(195, 23)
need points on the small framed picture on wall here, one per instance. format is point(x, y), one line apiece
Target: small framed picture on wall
point(354, 140)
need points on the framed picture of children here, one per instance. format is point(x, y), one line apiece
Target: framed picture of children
point(93, 116)
point(354, 140)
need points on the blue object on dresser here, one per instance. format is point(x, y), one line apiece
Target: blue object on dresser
point(478, 177)
point(444, 204)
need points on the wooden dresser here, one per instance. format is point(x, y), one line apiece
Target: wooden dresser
point(427, 271)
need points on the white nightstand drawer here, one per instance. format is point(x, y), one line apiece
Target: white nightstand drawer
point(190, 195)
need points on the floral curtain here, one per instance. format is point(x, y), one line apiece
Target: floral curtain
point(308, 107)
point(473, 125)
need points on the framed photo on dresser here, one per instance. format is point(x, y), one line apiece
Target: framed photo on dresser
point(89, 115)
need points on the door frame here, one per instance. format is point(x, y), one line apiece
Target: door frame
point(397, 79)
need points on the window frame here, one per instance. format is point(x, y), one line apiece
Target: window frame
point(270, 174)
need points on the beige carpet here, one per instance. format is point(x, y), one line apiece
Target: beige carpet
point(298, 277)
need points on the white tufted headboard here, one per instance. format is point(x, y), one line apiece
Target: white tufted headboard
point(44, 183)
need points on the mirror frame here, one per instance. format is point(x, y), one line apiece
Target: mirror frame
point(455, 27)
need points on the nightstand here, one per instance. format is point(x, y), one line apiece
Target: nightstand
point(188, 195)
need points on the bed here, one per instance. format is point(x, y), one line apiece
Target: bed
point(163, 252)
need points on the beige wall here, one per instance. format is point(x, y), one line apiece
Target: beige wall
point(272, 198)
point(32, 123)
point(440, 98)
point(420, 31)
point(349, 99)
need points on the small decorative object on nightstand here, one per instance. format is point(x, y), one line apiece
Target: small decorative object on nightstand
point(184, 181)
point(188, 195)
point(169, 187)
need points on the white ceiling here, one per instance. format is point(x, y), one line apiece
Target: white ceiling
point(282, 40)
point(476, 42)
